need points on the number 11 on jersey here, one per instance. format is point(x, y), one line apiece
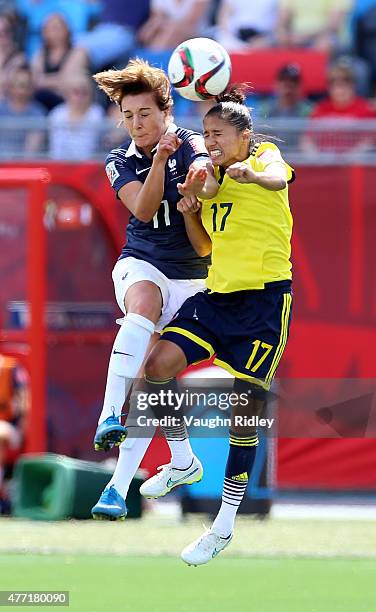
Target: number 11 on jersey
point(166, 215)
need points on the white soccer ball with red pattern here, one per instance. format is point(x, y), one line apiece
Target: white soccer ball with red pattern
point(199, 69)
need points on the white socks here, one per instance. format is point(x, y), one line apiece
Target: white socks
point(127, 355)
point(131, 453)
point(181, 452)
point(224, 522)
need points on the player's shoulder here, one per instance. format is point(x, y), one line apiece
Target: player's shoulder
point(118, 164)
point(186, 134)
point(119, 154)
point(261, 147)
point(265, 152)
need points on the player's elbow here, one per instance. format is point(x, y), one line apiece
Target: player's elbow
point(279, 184)
point(137, 211)
point(203, 250)
point(143, 216)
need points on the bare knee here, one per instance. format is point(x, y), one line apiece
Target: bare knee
point(166, 360)
point(144, 298)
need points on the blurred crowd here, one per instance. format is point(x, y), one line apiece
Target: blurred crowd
point(49, 49)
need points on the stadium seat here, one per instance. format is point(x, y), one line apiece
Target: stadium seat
point(260, 67)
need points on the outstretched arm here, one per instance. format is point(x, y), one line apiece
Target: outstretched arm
point(273, 178)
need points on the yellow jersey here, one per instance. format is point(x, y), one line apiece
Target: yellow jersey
point(250, 228)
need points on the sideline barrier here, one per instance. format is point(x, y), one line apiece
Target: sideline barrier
point(53, 487)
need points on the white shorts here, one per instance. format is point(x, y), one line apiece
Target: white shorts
point(130, 270)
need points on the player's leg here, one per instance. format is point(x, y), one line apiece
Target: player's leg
point(241, 457)
point(133, 449)
point(168, 359)
point(111, 504)
point(243, 442)
point(140, 292)
point(143, 305)
point(176, 436)
point(254, 343)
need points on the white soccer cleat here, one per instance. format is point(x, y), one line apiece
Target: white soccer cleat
point(205, 548)
point(169, 477)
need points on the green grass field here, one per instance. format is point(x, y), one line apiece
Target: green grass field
point(272, 566)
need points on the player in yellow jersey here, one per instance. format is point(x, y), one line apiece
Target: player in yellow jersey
point(243, 318)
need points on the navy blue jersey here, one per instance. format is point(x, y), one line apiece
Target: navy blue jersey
point(162, 241)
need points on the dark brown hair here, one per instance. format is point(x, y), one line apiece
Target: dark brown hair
point(231, 108)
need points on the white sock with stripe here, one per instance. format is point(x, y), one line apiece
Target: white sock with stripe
point(239, 465)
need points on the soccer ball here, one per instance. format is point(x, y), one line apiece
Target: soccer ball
point(199, 69)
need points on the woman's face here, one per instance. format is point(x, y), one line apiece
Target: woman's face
point(341, 89)
point(224, 143)
point(144, 120)
point(78, 93)
point(55, 30)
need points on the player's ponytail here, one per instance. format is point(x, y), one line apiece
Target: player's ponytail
point(231, 108)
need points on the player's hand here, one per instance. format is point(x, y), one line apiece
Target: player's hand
point(168, 144)
point(241, 173)
point(194, 182)
point(189, 205)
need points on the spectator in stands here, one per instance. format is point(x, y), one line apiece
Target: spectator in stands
point(116, 135)
point(11, 57)
point(112, 40)
point(341, 107)
point(75, 127)
point(13, 414)
point(363, 28)
point(48, 64)
point(173, 21)
point(318, 24)
point(288, 100)
point(238, 25)
point(79, 15)
point(19, 106)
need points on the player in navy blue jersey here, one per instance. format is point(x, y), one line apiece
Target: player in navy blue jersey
point(158, 268)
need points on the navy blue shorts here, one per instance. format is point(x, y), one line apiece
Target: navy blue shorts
point(247, 331)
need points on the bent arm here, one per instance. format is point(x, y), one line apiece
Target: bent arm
point(273, 178)
point(198, 237)
point(144, 199)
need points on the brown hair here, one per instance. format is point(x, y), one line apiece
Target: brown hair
point(137, 77)
point(341, 69)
